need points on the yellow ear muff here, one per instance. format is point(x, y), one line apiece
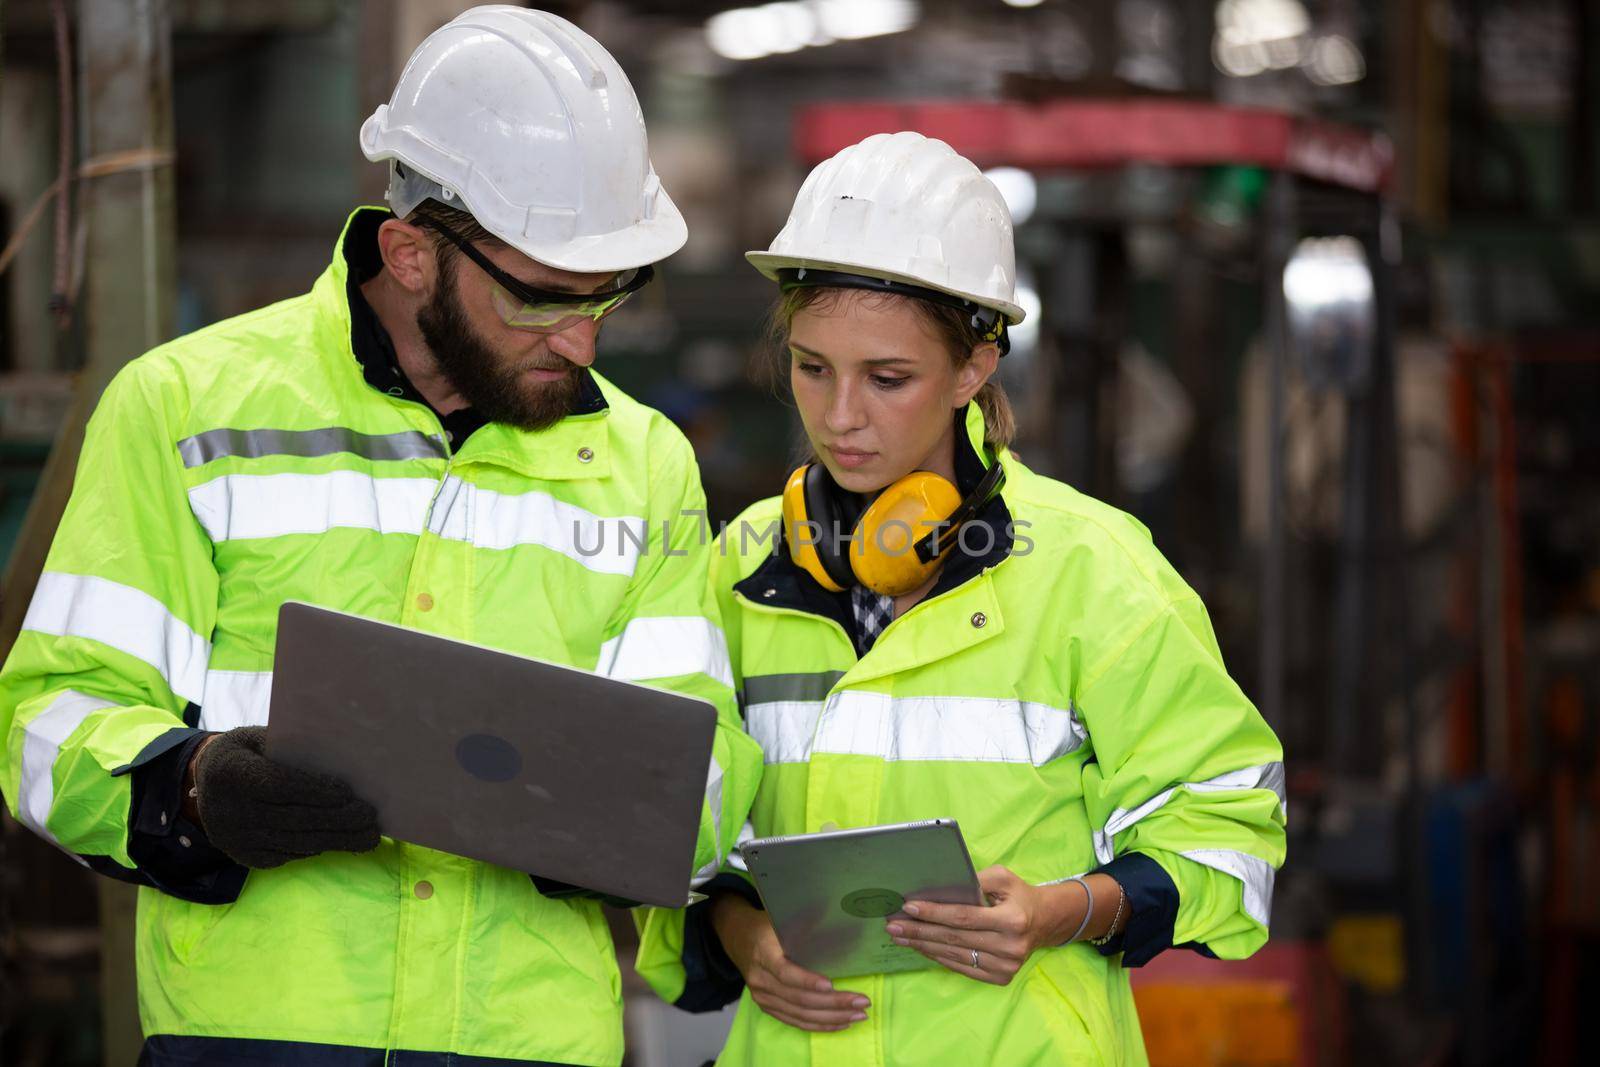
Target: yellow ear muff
point(883, 555)
point(899, 540)
point(808, 522)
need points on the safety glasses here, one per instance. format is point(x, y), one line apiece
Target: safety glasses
point(544, 311)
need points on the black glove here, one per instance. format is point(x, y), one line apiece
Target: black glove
point(264, 814)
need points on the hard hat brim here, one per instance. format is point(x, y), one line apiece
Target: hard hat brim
point(647, 241)
point(770, 263)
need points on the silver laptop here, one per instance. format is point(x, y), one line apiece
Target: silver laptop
point(829, 894)
point(497, 757)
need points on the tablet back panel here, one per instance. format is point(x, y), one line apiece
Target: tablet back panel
point(829, 894)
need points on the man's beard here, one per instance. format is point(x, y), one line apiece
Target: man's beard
point(494, 390)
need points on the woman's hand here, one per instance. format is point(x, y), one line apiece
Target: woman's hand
point(991, 944)
point(779, 986)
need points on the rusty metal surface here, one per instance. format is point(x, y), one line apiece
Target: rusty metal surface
point(125, 83)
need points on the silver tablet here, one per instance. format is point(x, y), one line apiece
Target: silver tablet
point(514, 761)
point(829, 894)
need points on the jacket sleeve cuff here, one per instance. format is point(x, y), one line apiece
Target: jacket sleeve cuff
point(711, 980)
point(172, 853)
point(1152, 909)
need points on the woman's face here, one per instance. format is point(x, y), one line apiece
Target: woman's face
point(876, 388)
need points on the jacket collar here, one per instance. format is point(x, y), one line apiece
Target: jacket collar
point(778, 582)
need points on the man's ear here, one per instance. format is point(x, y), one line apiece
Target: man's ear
point(974, 372)
point(409, 255)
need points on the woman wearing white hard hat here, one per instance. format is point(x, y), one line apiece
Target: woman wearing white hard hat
point(1034, 670)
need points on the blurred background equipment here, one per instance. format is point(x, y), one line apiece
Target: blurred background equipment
point(1310, 289)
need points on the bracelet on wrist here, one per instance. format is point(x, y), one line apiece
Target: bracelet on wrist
point(1111, 931)
point(1088, 909)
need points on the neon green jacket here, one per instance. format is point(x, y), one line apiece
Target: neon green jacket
point(1064, 701)
point(250, 463)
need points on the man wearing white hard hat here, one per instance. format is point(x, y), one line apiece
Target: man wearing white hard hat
point(420, 440)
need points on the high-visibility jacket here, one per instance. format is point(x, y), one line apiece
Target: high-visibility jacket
point(251, 463)
point(1066, 703)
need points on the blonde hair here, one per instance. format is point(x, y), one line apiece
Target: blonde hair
point(952, 326)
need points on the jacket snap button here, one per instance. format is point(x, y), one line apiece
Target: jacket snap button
point(585, 455)
point(423, 890)
point(768, 594)
point(424, 602)
point(979, 619)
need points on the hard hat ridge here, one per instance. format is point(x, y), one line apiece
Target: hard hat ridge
point(901, 207)
point(524, 120)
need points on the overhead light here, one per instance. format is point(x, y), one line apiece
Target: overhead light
point(1262, 20)
point(794, 23)
point(1023, 3)
point(1259, 35)
point(753, 32)
point(1019, 190)
point(1238, 59)
point(1327, 286)
point(851, 20)
point(737, 34)
point(1335, 60)
point(1326, 271)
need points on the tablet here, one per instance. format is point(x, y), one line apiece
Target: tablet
point(513, 761)
point(829, 894)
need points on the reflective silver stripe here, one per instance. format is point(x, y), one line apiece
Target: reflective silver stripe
point(1065, 878)
point(202, 448)
point(487, 519)
point(765, 688)
point(1265, 776)
point(239, 506)
point(783, 728)
point(1256, 874)
point(667, 646)
point(235, 698)
point(43, 737)
point(714, 800)
point(968, 729)
point(128, 620)
point(957, 729)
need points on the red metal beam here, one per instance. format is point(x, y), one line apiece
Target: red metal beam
point(1107, 133)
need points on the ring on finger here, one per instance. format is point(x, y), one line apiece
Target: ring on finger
point(975, 959)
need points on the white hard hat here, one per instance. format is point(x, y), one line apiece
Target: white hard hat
point(524, 120)
point(903, 208)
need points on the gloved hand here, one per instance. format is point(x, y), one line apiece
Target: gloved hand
point(264, 814)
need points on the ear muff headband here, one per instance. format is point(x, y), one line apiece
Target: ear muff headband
point(831, 517)
point(939, 540)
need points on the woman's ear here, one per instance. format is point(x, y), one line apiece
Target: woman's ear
point(408, 255)
point(971, 375)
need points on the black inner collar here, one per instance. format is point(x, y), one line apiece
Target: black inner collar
point(986, 540)
point(374, 349)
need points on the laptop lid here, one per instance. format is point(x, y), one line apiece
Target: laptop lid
point(497, 757)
